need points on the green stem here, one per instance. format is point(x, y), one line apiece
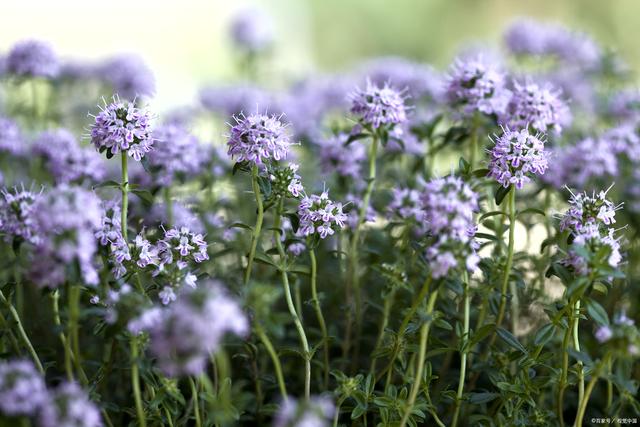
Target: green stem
point(463, 351)
point(318, 309)
point(21, 332)
point(388, 304)
point(292, 310)
point(576, 345)
point(354, 278)
point(74, 316)
point(55, 296)
point(257, 229)
point(168, 204)
point(196, 402)
point(587, 394)
point(274, 359)
point(424, 336)
point(125, 194)
point(507, 268)
point(565, 369)
point(336, 416)
point(474, 144)
point(12, 337)
point(135, 382)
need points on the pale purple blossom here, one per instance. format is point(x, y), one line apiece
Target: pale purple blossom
point(342, 158)
point(33, 58)
point(320, 215)
point(69, 406)
point(593, 239)
point(177, 155)
point(16, 215)
point(378, 106)
point(603, 334)
point(252, 30)
point(128, 76)
point(585, 210)
point(285, 181)
point(22, 389)
point(317, 412)
point(258, 139)
point(11, 139)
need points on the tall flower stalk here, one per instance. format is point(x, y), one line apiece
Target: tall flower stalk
point(319, 316)
point(464, 350)
point(257, 228)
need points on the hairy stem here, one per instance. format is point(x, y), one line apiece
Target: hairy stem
point(196, 401)
point(576, 345)
point(274, 359)
point(257, 229)
point(74, 316)
point(565, 369)
point(587, 394)
point(507, 268)
point(125, 194)
point(321, 322)
point(135, 382)
point(463, 351)
point(21, 332)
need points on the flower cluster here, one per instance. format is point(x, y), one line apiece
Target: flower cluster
point(66, 219)
point(69, 405)
point(110, 236)
point(585, 210)
point(449, 204)
point(128, 76)
point(252, 30)
point(379, 106)
point(318, 214)
point(11, 140)
point(258, 138)
point(336, 156)
point(515, 156)
point(317, 412)
point(66, 160)
point(176, 154)
point(33, 58)
point(537, 106)
point(184, 334)
point(16, 208)
point(285, 181)
point(122, 127)
point(236, 100)
point(22, 389)
point(406, 203)
point(474, 85)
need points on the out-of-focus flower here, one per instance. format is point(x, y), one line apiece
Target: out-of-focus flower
point(110, 235)
point(183, 334)
point(604, 334)
point(128, 76)
point(623, 140)
point(258, 138)
point(317, 412)
point(237, 100)
point(338, 157)
point(121, 126)
point(474, 85)
point(176, 154)
point(252, 30)
point(319, 214)
point(33, 58)
point(625, 105)
point(16, 215)
point(406, 203)
point(516, 156)
point(526, 37)
point(11, 140)
point(182, 214)
point(378, 106)
point(69, 406)
point(66, 160)
point(537, 106)
point(22, 389)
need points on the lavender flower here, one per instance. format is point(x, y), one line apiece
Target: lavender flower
point(22, 389)
point(180, 246)
point(406, 203)
point(66, 160)
point(33, 58)
point(11, 140)
point(624, 141)
point(285, 182)
point(354, 202)
point(474, 86)
point(515, 156)
point(625, 104)
point(16, 215)
point(252, 30)
point(318, 214)
point(379, 106)
point(317, 412)
point(129, 76)
point(537, 106)
point(176, 154)
point(183, 216)
point(594, 240)
point(66, 219)
point(191, 328)
point(121, 126)
point(336, 156)
point(236, 100)
point(586, 210)
point(110, 236)
point(604, 334)
point(449, 204)
point(526, 36)
point(69, 406)
point(258, 138)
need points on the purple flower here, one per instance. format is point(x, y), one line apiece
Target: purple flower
point(319, 214)
point(285, 181)
point(121, 126)
point(604, 334)
point(336, 156)
point(32, 58)
point(354, 202)
point(176, 154)
point(252, 30)
point(22, 389)
point(448, 207)
point(586, 210)
point(66, 160)
point(623, 140)
point(406, 203)
point(296, 248)
point(537, 106)
point(526, 36)
point(258, 138)
point(474, 86)
point(128, 76)
point(11, 140)
point(110, 235)
point(183, 216)
point(16, 215)
point(593, 239)
point(625, 105)
point(236, 100)
point(183, 334)
point(66, 219)
point(69, 406)
point(317, 412)
point(515, 156)
point(377, 106)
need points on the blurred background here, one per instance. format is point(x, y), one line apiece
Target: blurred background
point(186, 43)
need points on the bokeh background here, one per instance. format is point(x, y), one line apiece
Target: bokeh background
point(186, 43)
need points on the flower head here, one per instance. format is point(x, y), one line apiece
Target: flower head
point(16, 215)
point(69, 406)
point(537, 106)
point(258, 138)
point(110, 236)
point(516, 156)
point(285, 181)
point(176, 154)
point(122, 127)
point(252, 30)
point(344, 160)
point(594, 240)
point(406, 203)
point(585, 210)
point(317, 412)
point(128, 76)
point(379, 106)
point(11, 140)
point(319, 214)
point(22, 389)
point(476, 86)
point(66, 160)
point(235, 100)
point(33, 58)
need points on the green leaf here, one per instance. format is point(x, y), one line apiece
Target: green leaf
point(480, 173)
point(501, 193)
point(490, 214)
point(356, 137)
point(145, 196)
point(481, 334)
point(508, 337)
point(482, 397)
point(544, 334)
point(597, 313)
point(531, 211)
point(265, 259)
point(107, 184)
point(357, 412)
point(241, 225)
